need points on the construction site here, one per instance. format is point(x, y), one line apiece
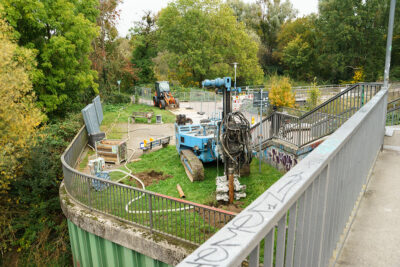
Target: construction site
point(184, 170)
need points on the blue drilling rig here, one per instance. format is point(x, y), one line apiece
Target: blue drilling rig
point(227, 138)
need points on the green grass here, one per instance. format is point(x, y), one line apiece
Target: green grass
point(119, 113)
point(111, 112)
point(85, 160)
point(167, 161)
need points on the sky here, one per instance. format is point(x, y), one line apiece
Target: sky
point(133, 10)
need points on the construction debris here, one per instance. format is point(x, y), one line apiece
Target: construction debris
point(179, 188)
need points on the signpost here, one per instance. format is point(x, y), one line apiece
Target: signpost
point(119, 86)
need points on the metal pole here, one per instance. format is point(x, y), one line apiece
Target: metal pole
point(260, 137)
point(235, 65)
point(389, 43)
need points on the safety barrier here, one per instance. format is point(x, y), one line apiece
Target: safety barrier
point(302, 216)
point(393, 112)
point(183, 220)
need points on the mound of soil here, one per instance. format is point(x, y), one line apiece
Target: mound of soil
point(151, 177)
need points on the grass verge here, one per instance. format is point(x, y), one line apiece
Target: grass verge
point(115, 114)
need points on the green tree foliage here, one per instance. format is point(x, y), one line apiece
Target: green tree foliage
point(19, 117)
point(297, 47)
point(248, 13)
point(36, 226)
point(202, 38)
point(353, 34)
point(395, 61)
point(144, 38)
point(274, 14)
point(61, 31)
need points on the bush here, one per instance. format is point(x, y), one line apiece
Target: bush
point(115, 98)
point(281, 94)
point(313, 97)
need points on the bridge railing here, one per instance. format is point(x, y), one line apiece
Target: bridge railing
point(183, 220)
point(320, 121)
point(298, 221)
point(393, 112)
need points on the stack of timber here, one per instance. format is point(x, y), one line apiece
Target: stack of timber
point(113, 151)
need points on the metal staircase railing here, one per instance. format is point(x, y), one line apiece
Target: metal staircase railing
point(317, 123)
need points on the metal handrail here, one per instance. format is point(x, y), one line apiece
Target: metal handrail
point(183, 220)
point(302, 216)
point(323, 119)
point(393, 116)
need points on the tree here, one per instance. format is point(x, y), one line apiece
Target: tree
point(353, 35)
point(111, 55)
point(19, 117)
point(119, 65)
point(202, 39)
point(297, 48)
point(61, 31)
point(274, 14)
point(144, 41)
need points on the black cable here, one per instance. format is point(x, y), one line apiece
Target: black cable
point(236, 139)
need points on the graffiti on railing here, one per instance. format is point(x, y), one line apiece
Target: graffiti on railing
point(246, 222)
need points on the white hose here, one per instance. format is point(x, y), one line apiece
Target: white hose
point(143, 187)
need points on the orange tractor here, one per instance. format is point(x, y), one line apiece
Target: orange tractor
point(163, 97)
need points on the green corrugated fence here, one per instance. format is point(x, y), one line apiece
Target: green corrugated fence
point(91, 250)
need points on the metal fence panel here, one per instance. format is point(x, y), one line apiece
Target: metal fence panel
point(98, 108)
point(90, 118)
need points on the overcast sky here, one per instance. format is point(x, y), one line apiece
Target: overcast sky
point(133, 10)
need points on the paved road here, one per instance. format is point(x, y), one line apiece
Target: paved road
point(374, 238)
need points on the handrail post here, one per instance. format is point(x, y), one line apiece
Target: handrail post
point(150, 213)
point(89, 199)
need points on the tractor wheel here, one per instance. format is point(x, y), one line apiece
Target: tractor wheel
point(176, 103)
point(154, 101)
point(162, 104)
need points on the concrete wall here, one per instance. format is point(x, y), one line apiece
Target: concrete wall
point(284, 156)
point(95, 234)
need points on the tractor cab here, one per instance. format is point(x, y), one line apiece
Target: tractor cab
point(162, 88)
point(163, 96)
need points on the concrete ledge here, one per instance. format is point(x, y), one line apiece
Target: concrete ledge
point(140, 240)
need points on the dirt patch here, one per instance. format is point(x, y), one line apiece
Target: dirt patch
point(151, 177)
point(216, 220)
point(234, 207)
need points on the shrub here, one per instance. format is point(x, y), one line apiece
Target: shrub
point(281, 94)
point(115, 98)
point(313, 98)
